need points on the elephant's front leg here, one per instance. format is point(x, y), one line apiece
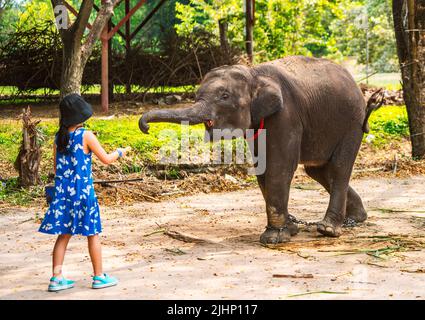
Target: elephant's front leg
point(276, 194)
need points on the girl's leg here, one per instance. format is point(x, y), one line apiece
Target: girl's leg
point(95, 251)
point(59, 253)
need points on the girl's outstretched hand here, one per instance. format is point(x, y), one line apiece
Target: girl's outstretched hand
point(125, 151)
point(93, 144)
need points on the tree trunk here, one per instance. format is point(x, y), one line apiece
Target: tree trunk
point(110, 77)
point(28, 161)
point(76, 52)
point(72, 68)
point(409, 26)
point(249, 29)
point(224, 42)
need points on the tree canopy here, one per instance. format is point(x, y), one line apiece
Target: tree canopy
point(327, 28)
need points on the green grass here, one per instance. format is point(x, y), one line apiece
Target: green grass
point(95, 89)
point(125, 132)
point(10, 90)
point(39, 94)
point(390, 81)
point(113, 133)
point(12, 193)
point(387, 124)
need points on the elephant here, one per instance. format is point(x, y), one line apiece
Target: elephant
point(314, 115)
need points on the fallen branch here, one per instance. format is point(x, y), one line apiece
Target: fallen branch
point(155, 232)
point(117, 181)
point(393, 236)
point(376, 265)
point(389, 210)
point(316, 292)
point(176, 251)
point(304, 276)
point(181, 237)
point(413, 271)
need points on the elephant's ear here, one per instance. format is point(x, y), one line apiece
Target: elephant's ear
point(267, 99)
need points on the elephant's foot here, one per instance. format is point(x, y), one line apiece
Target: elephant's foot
point(277, 235)
point(293, 228)
point(328, 228)
point(358, 214)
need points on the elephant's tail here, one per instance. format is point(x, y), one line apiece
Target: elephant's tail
point(374, 103)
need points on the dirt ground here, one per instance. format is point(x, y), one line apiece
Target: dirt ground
point(222, 258)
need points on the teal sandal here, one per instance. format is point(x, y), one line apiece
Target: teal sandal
point(104, 281)
point(59, 284)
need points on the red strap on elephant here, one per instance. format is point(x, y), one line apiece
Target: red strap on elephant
point(255, 136)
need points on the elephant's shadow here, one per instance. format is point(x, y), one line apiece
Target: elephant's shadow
point(248, 240)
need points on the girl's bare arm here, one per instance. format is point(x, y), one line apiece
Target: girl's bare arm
point(94, 145)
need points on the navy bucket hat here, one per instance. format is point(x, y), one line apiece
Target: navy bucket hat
point(74, 110)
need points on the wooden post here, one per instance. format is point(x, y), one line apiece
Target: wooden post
point(105, 37)
point(249, 18)
point(127, 44)
point(110, 78)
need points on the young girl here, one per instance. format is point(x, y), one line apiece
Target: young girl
point(74, 208)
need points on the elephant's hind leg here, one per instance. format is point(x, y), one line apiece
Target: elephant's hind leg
point(337, 172)
point(355, 209)
point(331, 224)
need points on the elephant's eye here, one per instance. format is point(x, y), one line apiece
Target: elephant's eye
point(225, 96)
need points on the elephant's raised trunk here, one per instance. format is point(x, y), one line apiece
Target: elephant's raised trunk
point(194, 115)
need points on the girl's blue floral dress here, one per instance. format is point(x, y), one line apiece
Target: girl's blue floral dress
point(74, 209)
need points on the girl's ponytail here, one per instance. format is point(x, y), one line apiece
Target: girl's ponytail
point(62, 138)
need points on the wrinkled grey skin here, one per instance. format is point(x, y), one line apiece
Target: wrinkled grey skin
point(314, 114)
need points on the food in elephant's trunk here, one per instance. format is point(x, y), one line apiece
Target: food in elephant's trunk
point(313, 114)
